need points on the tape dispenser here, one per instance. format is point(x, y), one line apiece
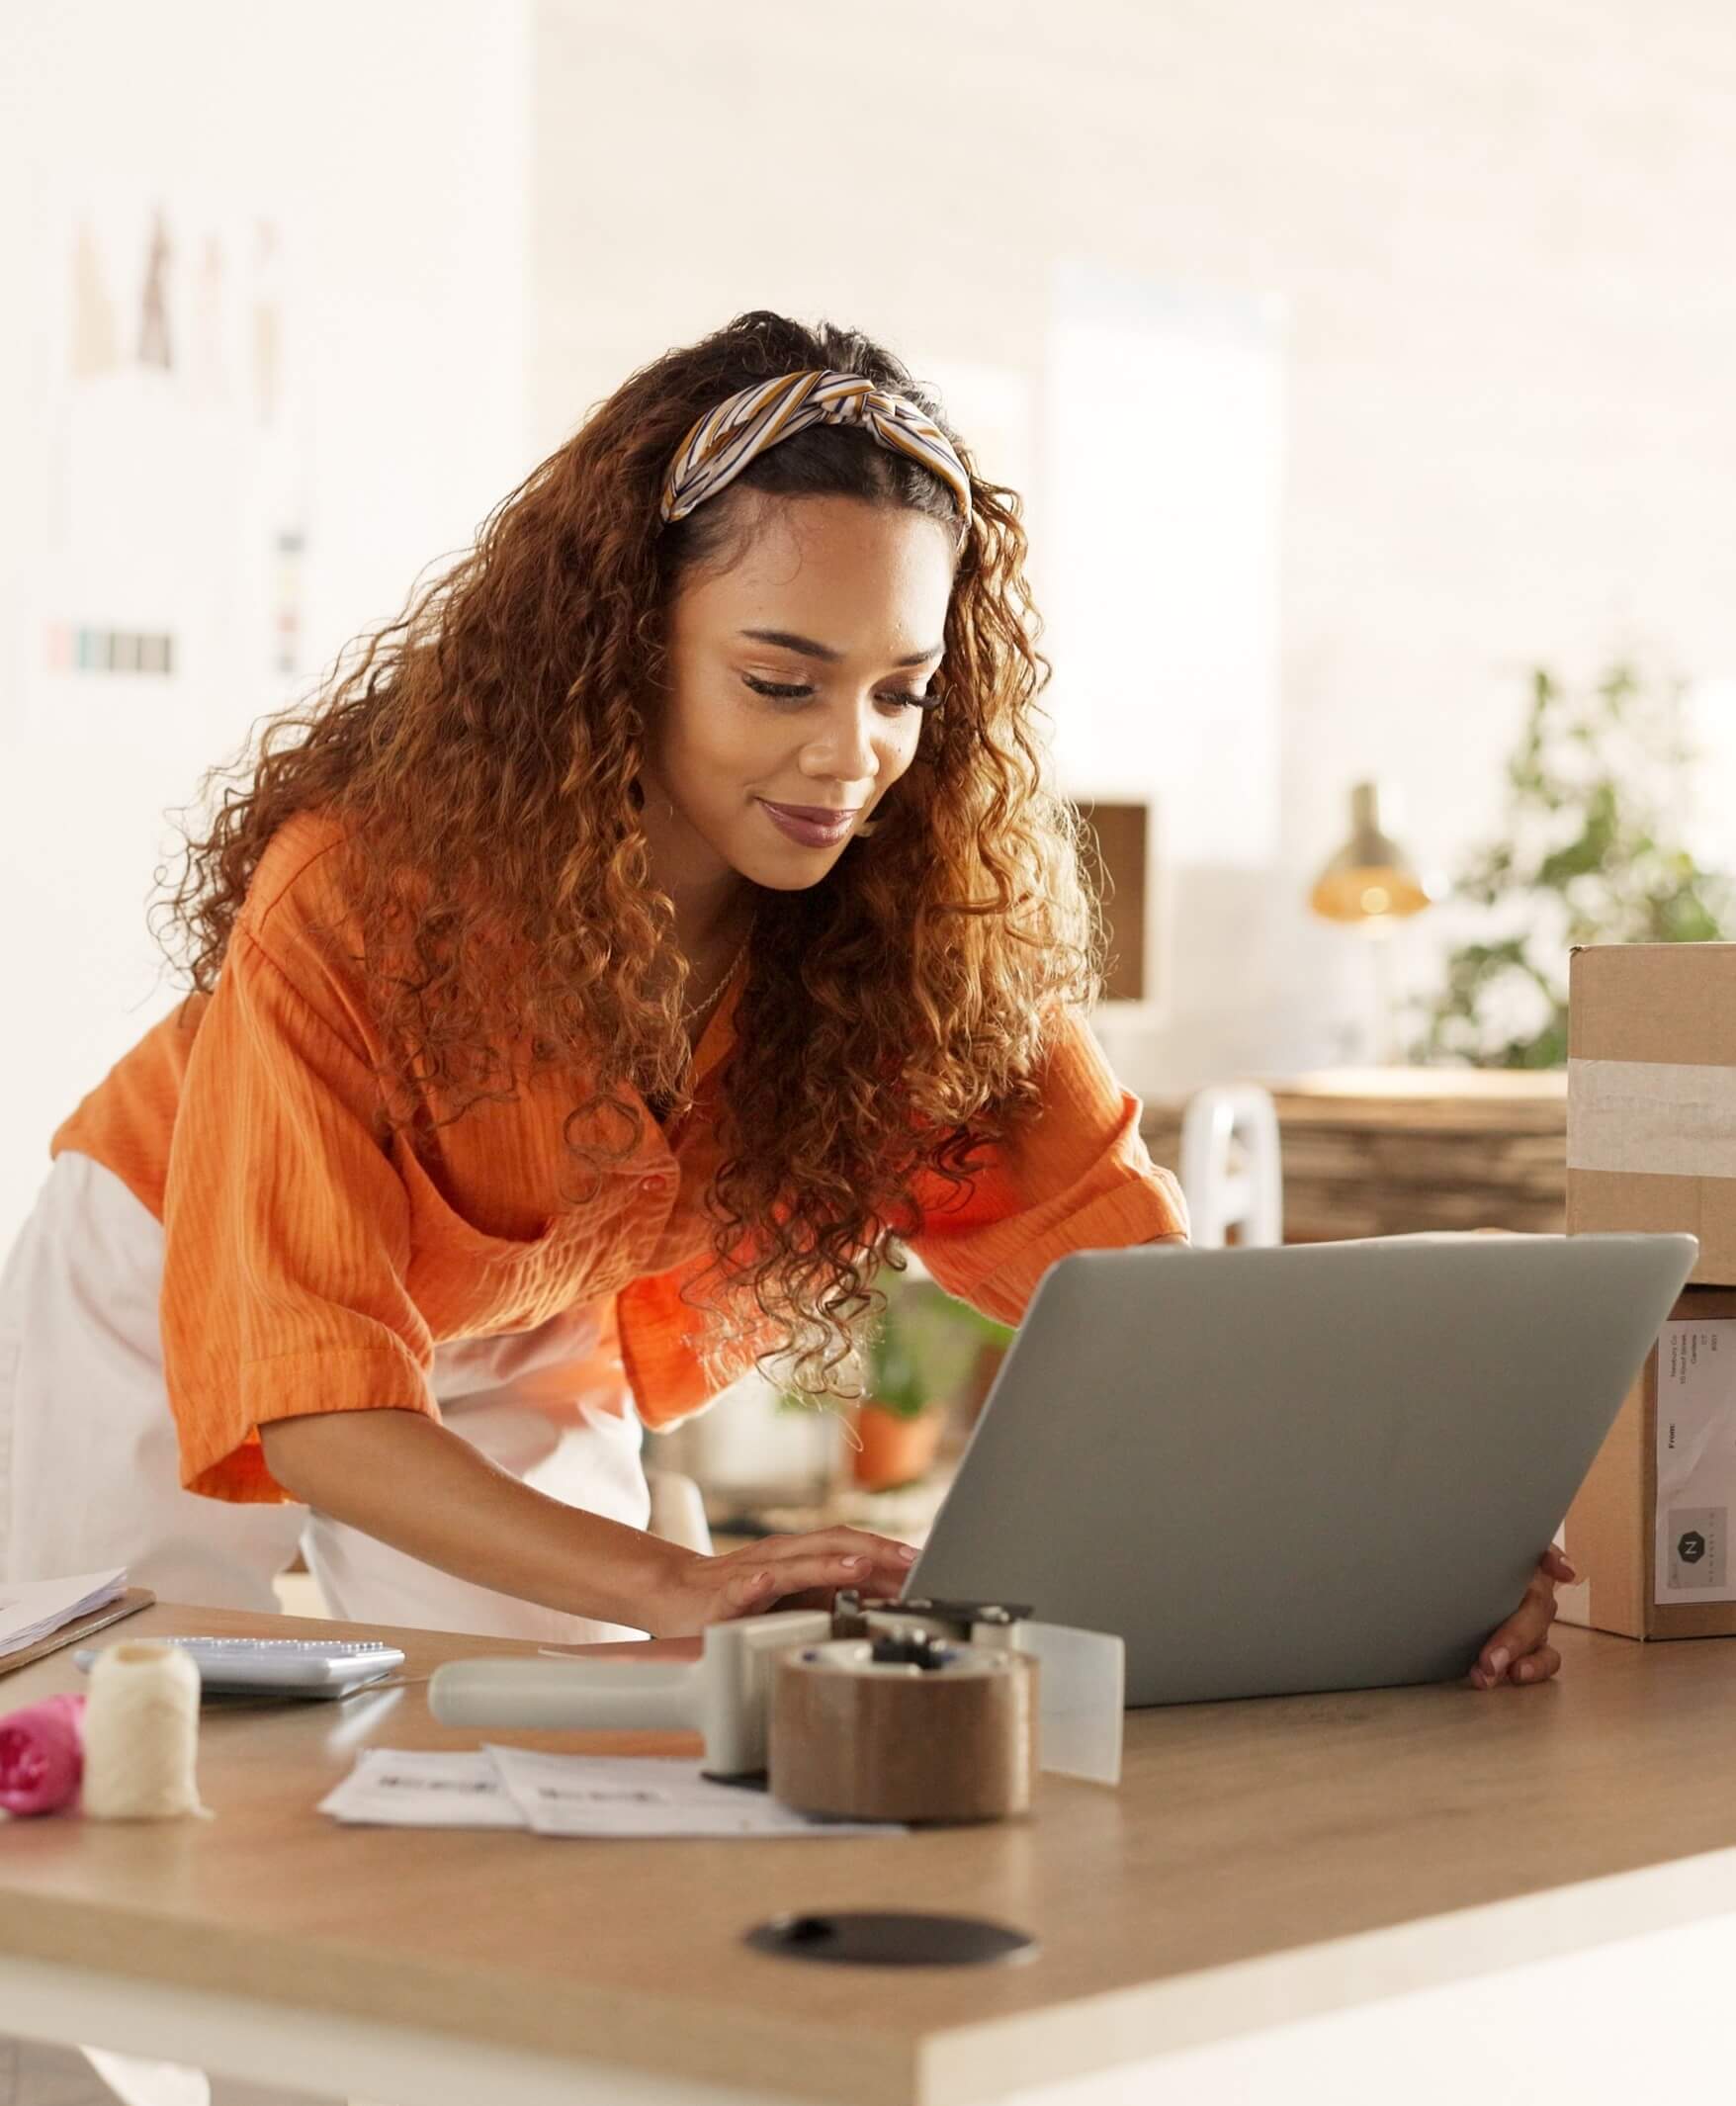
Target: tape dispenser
point(914, 1709)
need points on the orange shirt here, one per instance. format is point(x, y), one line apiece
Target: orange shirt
point(310, 1265)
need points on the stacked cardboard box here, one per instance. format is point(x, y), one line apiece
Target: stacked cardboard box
point(1651, 1144)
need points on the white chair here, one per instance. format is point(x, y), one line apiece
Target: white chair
point(677, 1511)
point(1231, 1168)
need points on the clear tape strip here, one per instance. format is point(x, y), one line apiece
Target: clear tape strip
point(1654, 1117)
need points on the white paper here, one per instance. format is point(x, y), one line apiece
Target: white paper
point(1697, 1461)
point(31, 1609)
point(646, 1796)
point(393, 1787)
point(562, 1794)
point(1081, 1691)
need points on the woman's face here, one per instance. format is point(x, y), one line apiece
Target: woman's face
point(797, 679)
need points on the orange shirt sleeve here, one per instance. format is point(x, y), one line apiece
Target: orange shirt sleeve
point(286, 1226)
point(658, 1334)
point(1073, 1175)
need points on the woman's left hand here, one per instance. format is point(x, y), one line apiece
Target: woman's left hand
point(1520, 1652)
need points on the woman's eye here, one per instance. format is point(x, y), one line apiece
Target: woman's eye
point(898, 698)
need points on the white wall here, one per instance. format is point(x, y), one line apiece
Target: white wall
point(391, 140)
point(1500, 235)
point(1503, 235)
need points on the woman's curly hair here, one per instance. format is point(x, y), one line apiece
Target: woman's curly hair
point(483, 754)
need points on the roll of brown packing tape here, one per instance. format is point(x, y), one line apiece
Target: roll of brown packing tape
point(904, 1731)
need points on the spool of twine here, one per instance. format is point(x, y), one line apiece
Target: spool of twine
point(948, 1736)
point(141, 1734)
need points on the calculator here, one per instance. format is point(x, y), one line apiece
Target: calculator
point(279, 1667)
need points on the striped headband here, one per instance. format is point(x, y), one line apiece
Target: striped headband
point(726, 439)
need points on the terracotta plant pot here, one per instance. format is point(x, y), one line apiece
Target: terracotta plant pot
point(895, 1448)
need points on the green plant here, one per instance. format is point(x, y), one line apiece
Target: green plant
point(1589, 855)
point(916, 1358)
point(893, 1377)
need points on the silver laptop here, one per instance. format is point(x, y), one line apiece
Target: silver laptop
point(1328, 1466)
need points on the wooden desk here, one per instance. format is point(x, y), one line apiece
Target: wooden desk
point(1390, 1150)
point(1261, 1864)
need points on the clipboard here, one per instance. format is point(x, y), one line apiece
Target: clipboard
point(124, 1605)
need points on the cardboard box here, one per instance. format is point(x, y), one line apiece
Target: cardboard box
point(1651, 1526)
point(1651, 1094)
point(1651, 1145)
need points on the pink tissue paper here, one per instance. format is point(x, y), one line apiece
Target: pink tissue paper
point(41, 1756)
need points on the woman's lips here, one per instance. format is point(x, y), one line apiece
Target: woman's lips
point(814, 826)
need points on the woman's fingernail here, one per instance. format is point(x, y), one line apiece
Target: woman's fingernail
point(852, 1564)
point(1525, 1671)
point(1498, 1661)
point(1569, 1570)
point(908, 1551)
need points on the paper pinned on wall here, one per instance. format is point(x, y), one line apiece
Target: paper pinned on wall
point(170, 458)
point(1160, 531)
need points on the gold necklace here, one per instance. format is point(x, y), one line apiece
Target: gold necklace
point(693, 1016)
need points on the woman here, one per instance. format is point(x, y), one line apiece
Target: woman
point(658, 917)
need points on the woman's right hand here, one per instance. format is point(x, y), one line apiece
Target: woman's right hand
point(418, 1486)
point(778, 1572)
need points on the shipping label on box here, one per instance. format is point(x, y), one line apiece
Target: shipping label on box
point(1696, 1461)
point(1650, 1527)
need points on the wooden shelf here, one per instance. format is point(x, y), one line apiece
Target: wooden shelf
point(1391, 1151)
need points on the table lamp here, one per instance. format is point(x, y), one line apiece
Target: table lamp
point(1373, 885)
point(1370, 879)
